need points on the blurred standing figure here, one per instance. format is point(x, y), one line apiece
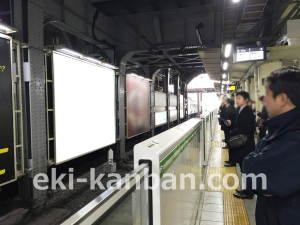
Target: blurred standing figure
point(222, 112)
point(231, 114)
point(263, 115)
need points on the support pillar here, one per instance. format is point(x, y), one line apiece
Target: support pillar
point(177, 93)
point(28, 19)
point(166, 82)
point(256, 91)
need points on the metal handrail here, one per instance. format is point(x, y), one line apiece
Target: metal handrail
point(100, 205)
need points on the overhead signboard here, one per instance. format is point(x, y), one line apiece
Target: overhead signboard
point(232, 88)
point(84, 104)
point(7, 147)
point(246, 54)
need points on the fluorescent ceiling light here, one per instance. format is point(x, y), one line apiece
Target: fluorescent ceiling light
point(7, 29)
point(235, 0)
point(225, 65)
point(227, 50)
point(71, 52)
point(224, 76)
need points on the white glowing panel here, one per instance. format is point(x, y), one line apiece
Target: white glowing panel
point(84, 99)
point(160, 118)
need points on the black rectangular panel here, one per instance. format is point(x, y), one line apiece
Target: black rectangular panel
point(7, 156)
point(249, 54)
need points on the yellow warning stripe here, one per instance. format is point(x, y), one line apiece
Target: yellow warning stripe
point(3, 150)
point(2, 172)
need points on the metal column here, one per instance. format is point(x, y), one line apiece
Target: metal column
point(166, 81)
point(256, 72)
point(28, 19)
point(177, 92)
point(152, 113)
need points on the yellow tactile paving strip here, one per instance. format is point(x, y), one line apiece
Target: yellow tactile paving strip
point(234, 208)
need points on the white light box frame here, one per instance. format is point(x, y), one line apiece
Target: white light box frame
point(84, 107)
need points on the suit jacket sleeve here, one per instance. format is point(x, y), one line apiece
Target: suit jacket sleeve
point(245, 124)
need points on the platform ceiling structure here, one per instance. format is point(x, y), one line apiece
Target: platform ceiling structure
point(166, 34)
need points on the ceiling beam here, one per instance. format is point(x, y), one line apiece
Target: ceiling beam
point(244, 40)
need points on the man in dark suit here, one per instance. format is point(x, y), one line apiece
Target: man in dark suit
point(222, 112)
point(231, 114)
point(244, 124)
point(264, 116)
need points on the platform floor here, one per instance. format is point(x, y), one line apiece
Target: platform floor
point(219, 206)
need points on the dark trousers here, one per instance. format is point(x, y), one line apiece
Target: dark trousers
point(247, 191)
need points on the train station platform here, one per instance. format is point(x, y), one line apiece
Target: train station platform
point(194, 147)
point(219, 206)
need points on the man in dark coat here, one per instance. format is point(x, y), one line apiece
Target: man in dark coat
point(222, 112)
point(244, 124)
point(231, 114)
point(277, 155)
point(264, 116)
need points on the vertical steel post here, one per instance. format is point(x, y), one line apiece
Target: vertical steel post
point(28, 19)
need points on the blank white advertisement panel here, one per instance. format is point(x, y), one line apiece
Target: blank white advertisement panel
point(173, 100)
point(181, 107)
point(84, 101)
point(173, 115)
point(160, 99)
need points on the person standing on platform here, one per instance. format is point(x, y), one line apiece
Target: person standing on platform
point(263, 115)
point(222, 112)
point(277, 156)
point(231, 114)
point(245, 124)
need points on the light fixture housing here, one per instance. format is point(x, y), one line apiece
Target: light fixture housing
point(93, 60)
point(109, 65)
point(69, 51)
point(5, 29)
point(138, 77)
point(73, 53)
point(225, 65)
point(227, 51)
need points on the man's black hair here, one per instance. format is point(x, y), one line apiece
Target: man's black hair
point(287, 81)
point(261, 98)
point(230, 101)
point(244, 94)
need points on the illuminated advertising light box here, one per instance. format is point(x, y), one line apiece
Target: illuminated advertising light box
point(84, 107)
point(138, 106)
point(181, 107)
point(160, 118)
point(232, 88)
point(173, 115)
point(246, 54)
point(7, 146)
point(160, 99)
point(173, 100)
